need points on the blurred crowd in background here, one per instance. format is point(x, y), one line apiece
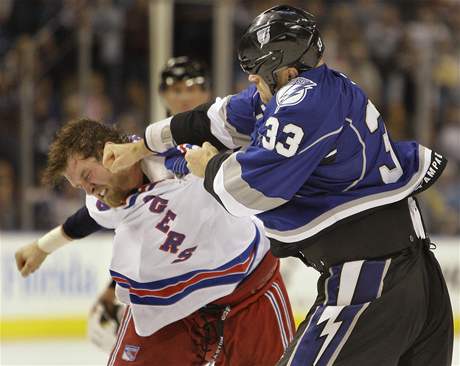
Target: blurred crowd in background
point(404, 54)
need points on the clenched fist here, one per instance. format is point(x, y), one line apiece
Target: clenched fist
point(119, 157)
point(29, 258)
point(197, 159)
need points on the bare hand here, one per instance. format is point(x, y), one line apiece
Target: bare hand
point(197, 159)
point(29, 258)
point(119, 157)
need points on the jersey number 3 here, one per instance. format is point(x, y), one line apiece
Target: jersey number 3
point(287, 148)
point(372, 120)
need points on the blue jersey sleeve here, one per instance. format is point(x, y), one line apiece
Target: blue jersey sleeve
point(227, 123)
point(243, 109)
point(233, 118)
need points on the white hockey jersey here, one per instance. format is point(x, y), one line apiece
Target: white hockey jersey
point(176, 249)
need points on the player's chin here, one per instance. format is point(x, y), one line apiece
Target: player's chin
point(114, 200)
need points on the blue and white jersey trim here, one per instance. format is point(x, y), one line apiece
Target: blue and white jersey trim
point(171, 290)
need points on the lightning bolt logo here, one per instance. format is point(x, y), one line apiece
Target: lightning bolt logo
point(330, 315)
point(294, 92)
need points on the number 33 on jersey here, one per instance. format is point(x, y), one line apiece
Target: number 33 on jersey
point(320, 152)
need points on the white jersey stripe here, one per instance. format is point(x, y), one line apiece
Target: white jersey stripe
point(336, 132)
point(416, 219)
point(231, 204)
point(348, 281)
point(121, 335)
point(363, 152)
point(221, 129)
point(277, 311)
point(352, 326)
point(287, 315)
point(238, 197)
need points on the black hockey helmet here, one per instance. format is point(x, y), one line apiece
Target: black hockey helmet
point(183, 69)
point(280, 36)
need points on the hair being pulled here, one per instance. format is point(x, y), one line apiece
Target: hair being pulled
point(84, 138)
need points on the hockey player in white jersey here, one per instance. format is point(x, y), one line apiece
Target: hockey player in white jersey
point(184, 266)
point(184, 84)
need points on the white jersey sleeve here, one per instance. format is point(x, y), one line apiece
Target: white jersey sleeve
point(103, 214)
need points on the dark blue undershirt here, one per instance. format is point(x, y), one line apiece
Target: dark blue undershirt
point(80, 224)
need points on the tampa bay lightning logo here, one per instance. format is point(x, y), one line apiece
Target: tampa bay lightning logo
point(263, 36)
point(294, 92)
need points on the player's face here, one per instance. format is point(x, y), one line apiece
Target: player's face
point(284, 75)
point(91, 176)
point(181, 97)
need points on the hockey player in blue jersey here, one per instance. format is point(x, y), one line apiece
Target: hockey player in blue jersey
point(306, 151)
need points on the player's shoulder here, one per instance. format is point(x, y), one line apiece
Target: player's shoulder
point(312, 97)
point(100, 212)
point(297, 101)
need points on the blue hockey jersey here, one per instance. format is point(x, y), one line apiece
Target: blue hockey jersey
point(317, 153)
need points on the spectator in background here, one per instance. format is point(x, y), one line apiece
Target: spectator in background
point(449, 135)
point(445, 206)
point(136, 101)
point(135, 42)
point(98, 105)
point(443, 203)
point(8, 196)
point(6, 7)
point(427, 29)
point(46, 120)
point(383, 39)
point(405, 126)
point(362, 70)
point(446, 80)
point(129, 124)
point(108, 23)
